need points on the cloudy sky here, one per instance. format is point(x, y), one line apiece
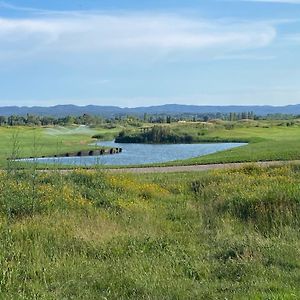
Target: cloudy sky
point(140, 53)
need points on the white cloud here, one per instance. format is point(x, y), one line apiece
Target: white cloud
point(83, 33)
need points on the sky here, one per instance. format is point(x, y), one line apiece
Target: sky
point(133, 53)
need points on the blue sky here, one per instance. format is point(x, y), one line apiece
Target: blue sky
point(141, 53)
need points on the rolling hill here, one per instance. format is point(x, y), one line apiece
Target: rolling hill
point(171, 109)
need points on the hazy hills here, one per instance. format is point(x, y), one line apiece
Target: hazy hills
point(170, 109)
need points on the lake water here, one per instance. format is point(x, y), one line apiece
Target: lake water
point(138, 154)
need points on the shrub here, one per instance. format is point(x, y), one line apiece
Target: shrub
point(157, 135)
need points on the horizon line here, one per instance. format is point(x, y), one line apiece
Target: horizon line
point(149, 106)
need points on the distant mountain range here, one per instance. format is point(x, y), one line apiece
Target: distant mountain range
point(170, 109)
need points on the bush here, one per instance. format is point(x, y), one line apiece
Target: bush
point(157, 135)
point(98, 136)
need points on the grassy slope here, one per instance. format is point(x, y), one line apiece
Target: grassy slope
point(274, 143)
point(221, 235)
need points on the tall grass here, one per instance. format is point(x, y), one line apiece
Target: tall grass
point(94, 235)
point(267, 200)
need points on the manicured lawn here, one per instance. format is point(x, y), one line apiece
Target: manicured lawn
point(274, 143)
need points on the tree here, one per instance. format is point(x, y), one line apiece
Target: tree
point(3, 120)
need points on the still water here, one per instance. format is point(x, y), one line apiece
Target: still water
point(138, 154)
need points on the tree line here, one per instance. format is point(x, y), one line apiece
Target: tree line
point(33, 120)
point(133, 120)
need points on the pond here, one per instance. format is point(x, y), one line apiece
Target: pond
point(138, 154)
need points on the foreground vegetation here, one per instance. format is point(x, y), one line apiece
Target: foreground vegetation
point(89, 235)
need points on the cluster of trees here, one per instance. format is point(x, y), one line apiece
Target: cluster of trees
point(241, 116)
point(162, 118)
point(32, 120)
point(156, 135)
point(279, 117)
point(232, 116)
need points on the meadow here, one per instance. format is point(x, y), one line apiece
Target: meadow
point(92, 235)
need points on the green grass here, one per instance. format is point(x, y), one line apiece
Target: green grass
point(91, 235)
point(265, 144)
